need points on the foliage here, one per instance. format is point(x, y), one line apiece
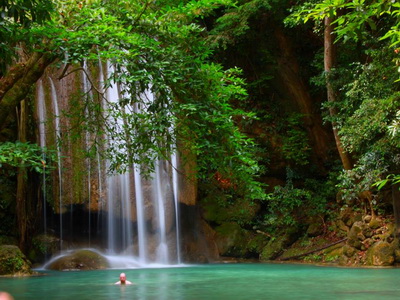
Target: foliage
point(289, 205)
point(363, 176)
point(295, 146)
point(27, 155)
point(354, 20)
point(234, 23)
point(14, 17)
point(365, 83)
point(170, 92)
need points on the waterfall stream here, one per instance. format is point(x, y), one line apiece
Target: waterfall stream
point(56, 112)
point(141, 223)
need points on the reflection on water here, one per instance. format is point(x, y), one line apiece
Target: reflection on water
point(236, 281)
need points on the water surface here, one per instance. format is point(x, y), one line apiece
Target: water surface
point(221, 281)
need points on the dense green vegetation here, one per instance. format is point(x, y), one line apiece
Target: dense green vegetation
point(291, 110)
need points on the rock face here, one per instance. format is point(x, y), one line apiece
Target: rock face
point(13, 261)
point(80, 260)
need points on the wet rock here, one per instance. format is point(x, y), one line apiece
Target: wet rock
point(381, 254)
point(13, 261)
point(80, 260)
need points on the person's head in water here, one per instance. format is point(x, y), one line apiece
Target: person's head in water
point(5, 296)
point(122, 278)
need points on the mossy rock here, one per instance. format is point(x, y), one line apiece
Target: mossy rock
point(375, 223)
point(231, 240)
point(356, 235)
point(349, 216)
point(213, 210)
point(348, 251)
point(43, 246)
point(13, 261)
point(275, 247)
point(333, 255)
point(80, 260)
point(256, 244)
point(218, 210)
point(381, 254)
point(315, 229)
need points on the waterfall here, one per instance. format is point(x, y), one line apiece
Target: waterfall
point(140, 214)
point(88, 95)
point(41, 112)
point(54, 101)
point(175, 186)
point(159, 200)
point(139, 217)
point(118, 188)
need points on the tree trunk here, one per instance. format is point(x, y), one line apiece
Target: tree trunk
point(18, 81)
point(296, 89)
point(21, 183)
point(396, 208)
point(329, 63)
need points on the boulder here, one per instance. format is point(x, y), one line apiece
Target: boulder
point(276, 246)
point(13, 261)
point(231, 240)
point(356, 235)
point(43, 246)
point(348, 251)
point(375, 223)
point(80, 260)
point(381, 254)
point(315, 228)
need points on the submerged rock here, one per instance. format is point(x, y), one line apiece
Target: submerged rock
point(13, 261)
point(80, 260)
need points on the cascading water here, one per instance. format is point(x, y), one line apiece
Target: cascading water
point(175, 185)
point(159, 190)
point(41, 112)
point(140, 226)
point(118, 190)
point(56, 111)
point(88, 95)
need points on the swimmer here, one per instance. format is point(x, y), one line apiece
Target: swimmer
point(122, 280)
point(6, 296)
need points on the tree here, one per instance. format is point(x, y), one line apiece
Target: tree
point(366, 91)
point(151, 46)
